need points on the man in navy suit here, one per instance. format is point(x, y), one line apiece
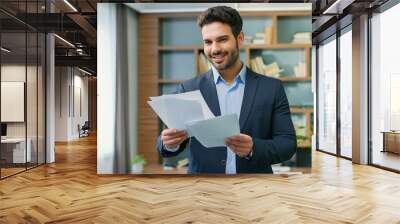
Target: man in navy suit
point(267, 134)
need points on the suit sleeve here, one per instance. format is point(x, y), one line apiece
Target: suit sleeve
point(165, 153)
point(283, 144)
point(160, 145)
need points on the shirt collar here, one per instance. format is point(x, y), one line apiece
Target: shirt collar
point(241, 77)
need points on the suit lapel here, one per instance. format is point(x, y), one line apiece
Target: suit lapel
point(209, 92)
point(250, 90)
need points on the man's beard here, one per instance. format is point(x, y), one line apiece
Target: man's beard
point(230, 58)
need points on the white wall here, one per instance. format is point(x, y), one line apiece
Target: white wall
point(80, 83)
point(33, 126)
point(67, 116)
point(12, 73)
point(13, 101)
point(61, 103)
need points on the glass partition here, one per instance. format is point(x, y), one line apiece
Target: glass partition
point(346, 92)
point(22, 91)
point(15, 151)
point(385, 89)
point(327, 96)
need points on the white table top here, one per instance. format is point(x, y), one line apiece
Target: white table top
point(13, 140)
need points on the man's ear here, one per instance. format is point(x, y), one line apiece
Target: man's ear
point(240, 38)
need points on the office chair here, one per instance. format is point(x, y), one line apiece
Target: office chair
point(84, 130)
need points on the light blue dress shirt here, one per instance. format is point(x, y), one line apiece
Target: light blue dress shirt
point(230, 99)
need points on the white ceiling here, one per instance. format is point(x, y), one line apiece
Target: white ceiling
point(200, 7)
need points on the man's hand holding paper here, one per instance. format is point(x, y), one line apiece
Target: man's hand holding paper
point(189, 112)
point(172, 138)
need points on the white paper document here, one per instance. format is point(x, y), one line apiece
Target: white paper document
point(192, 95)
point(214, 131)
point(189, 111)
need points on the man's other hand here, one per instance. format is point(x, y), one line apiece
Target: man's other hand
point(172, 138)
point(241, 144)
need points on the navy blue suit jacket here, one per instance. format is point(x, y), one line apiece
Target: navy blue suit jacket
point(265, 116)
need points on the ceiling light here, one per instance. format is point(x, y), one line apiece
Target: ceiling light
point(5, 50)
point(84, 71)
point(337, 7)
point(70, 5)
point(65, 41)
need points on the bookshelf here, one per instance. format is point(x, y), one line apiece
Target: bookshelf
point(175, 57)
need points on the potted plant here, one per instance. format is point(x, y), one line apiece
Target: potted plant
point(303, 152)
point(302, 140)
point(138, 162)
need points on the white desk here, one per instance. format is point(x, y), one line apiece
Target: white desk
point(18, 149)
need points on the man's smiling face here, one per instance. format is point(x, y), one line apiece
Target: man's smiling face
point(220, 45)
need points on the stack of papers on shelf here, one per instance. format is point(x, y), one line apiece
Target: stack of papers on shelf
point(189, 112)
point(248, 40)
point(264, 37)
point(259, 38)
point(302, 38)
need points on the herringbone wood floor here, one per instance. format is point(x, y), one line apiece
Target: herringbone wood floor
point(69, 191)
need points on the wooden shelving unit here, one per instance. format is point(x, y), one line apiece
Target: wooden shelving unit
point(164, 81)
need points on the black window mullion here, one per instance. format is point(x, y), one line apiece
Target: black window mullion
point(338, 76)
point(369, 96)
point(0, 96)
point(26, 86)
point(317, 97)
point(37, 90)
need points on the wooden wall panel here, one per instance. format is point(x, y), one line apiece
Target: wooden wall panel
point(92, 101)
point(148, 86)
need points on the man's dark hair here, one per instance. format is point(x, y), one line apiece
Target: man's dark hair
point(223, 14)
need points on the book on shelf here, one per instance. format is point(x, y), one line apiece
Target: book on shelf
point(259, 38)
point(258, 66)
point(258, 41)
point(273, 70)
point(203, 63)
point(254, 67)
point(302, 38)
point(268, 35)
point(248, 40)
point(300, 70)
